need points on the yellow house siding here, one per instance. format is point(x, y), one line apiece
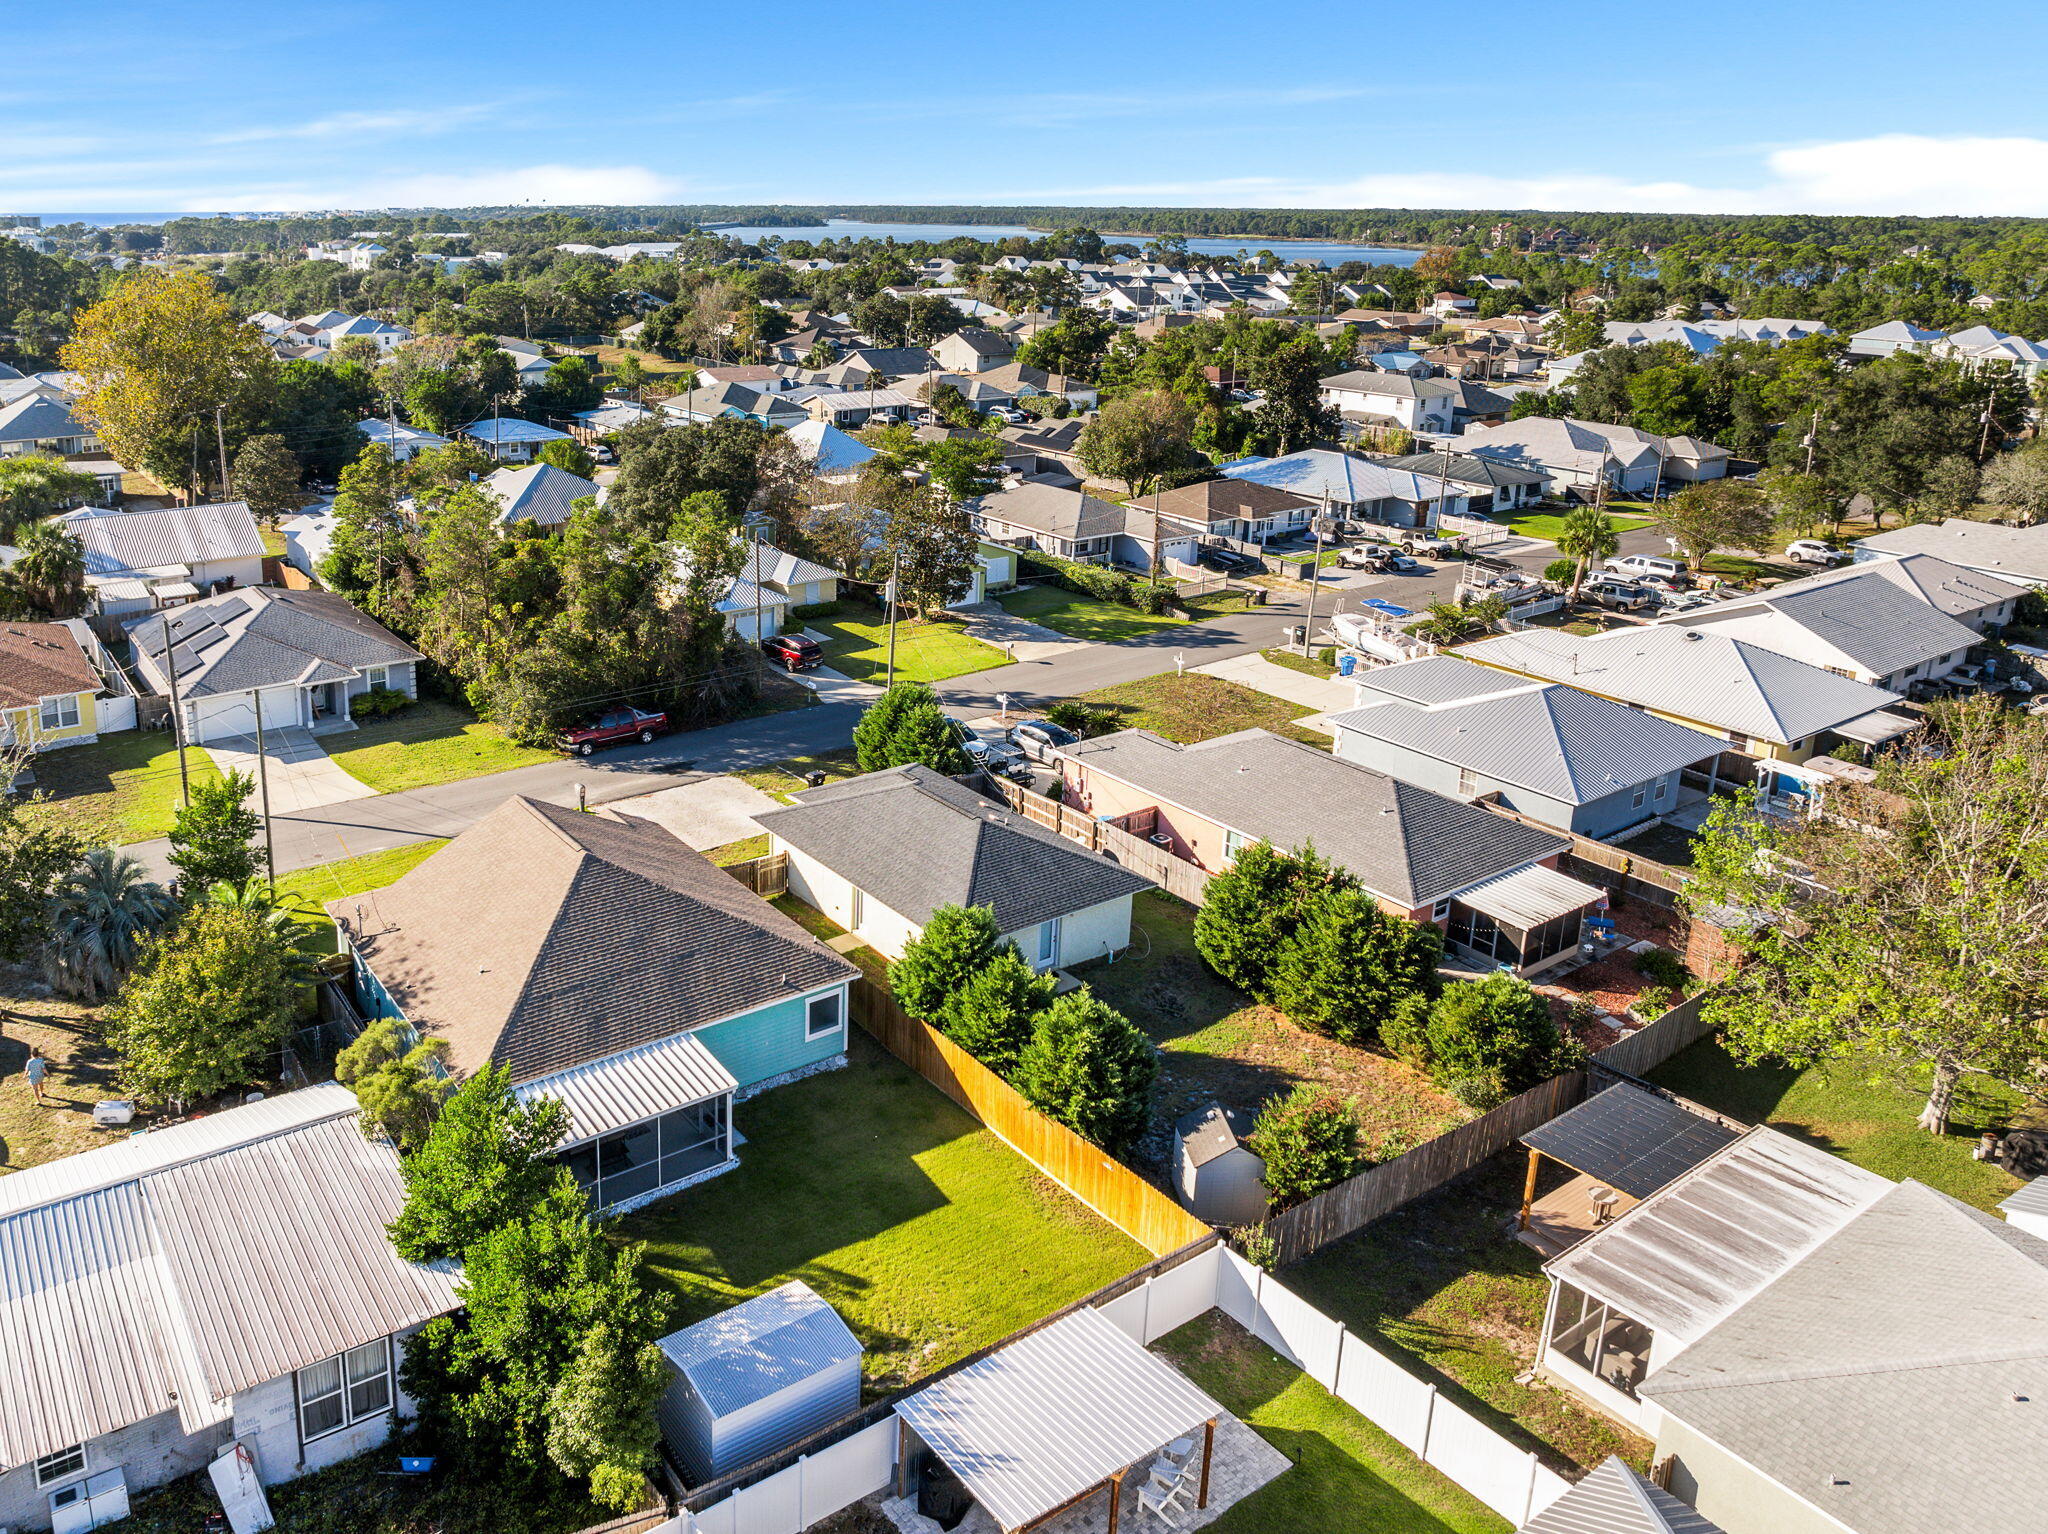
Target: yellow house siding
point(24, 724)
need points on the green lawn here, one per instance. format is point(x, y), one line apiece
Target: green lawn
point(123, 788)
point(1195, 707)
point(429, 743)
point(743, 851)
point(929, 1235)
point(323, 882)
point(1443, 1282)
point(1348, 1476)
point(1307, 665)
point(1863, 1113)
point(1081, 617)
point(927, 650)
point(1548, 524)
point(782, 779)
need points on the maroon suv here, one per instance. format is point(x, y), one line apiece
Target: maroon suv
point(793, 652)
point(614, 726)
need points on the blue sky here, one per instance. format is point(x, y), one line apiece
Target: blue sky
point(1879, 108)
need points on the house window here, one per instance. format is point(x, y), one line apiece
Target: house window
point(1468, 782)
point(822, 1016)
point(1440, 911)
point(856, 917)
point(1663, 788)
point(1636, 799)
point(1233, 844)
point(59, 713)
point(338, 1391)
point(65, 1462)
point(378, 676)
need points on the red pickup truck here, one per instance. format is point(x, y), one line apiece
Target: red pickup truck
point(615, 725)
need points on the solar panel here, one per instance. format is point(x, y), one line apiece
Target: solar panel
point(200, 639)
point(1630, 1139)
point(228, 608)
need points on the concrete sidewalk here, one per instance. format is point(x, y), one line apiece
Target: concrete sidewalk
point(1261, 675)
point(1020, 638)
point(302, 775)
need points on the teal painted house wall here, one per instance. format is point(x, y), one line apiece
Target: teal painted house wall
point(771, 1040)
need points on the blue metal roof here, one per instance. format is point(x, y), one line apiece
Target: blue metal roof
point(752, 1351)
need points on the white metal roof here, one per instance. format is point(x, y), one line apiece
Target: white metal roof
point(1054, 1415)
point(760, 1346)
point(1877, 727)
point(1530, 896)
point(2032, 1199)
point(170, 1270)
point(623, 1089)
point(1613, 1499)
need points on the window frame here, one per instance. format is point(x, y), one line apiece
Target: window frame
point(58, 702)
point(377, 676)
point(344, 1390)
point(834, 999)
point(47, 1477)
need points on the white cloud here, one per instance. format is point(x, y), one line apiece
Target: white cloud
point(1893, 173)
point(539, 184)
point(355, 125)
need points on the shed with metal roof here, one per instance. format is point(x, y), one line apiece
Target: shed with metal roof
point(755, 1379)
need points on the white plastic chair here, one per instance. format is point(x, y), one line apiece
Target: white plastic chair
point(1162, 1503)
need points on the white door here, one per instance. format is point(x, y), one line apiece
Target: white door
point(857, 915)
point(1049, 944)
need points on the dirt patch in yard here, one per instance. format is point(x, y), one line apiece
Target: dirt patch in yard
point(81, 1074)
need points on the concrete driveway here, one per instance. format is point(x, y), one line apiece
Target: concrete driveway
point(302, 776)
point(711, 812)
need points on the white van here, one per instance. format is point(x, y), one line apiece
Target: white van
point(1640, 565)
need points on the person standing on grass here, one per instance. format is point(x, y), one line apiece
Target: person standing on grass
point(36, 1069)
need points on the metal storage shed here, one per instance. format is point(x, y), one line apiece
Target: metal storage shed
point(755, 1379)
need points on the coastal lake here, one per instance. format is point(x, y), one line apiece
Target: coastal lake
point(1331, 251)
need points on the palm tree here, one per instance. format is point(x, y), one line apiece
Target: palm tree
point(1588, 534)
point(283, 913)
point(102, 913)
point(50, 572)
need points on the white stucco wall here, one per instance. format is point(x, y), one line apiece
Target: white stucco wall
point(1734, 1496)
point(267, 1419)
point(1089, 933)
point(149, 1453)
point(820, 888)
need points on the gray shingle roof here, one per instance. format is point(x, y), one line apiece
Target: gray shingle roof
point(916, 840)
point(1879, 625)
point(1977, 545)
point(1910, 1348)
point(1543, 736)
point(1691, 674)
point(34, 418)
point(612, 934)
point(1392, 385)
point(1059, 510)
point(1405, 843)
point(263, 636)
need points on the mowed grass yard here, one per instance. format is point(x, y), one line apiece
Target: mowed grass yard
point(123, 788)
point(1194, 707)
point(1081, 617)
point(431, 742)
point(1348, 1476)
point(314, 887)
point(1862, 1112)
point(1548, 524)
point(927, 649)
point(928, 1234)
point(81, 1073)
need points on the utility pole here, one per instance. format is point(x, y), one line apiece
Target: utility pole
point(889, 595)
point(1315, 578)
point(1812, 438)
point(263, 778)
point(227, 491)
point(177, 717)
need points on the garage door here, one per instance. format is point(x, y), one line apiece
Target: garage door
point(209, 719)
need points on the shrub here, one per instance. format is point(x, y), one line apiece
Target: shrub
point(378, 703)
point(1088, 1067)
point(906, 725)
point(401, 1089)
point(992, 1014)
point(1345, 965)
point(1256, 1245)
point(817, 610)
point(1309, 1142)
point(2031, 609)
point(1664, 967)
point(1084, 719)
point(1097, 581)
point(1496, 1027)
point(1559, 572)
point(937, 964)
point(1652, 1002)
point(1248, 910)
point(1405, 1034)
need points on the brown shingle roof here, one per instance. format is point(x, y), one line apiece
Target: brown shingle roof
point(542, 938)
point(1223, 500)
point(41, 660)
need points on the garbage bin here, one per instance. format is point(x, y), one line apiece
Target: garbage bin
point(1346, 664)
point(815, 779)
point(1297, 633)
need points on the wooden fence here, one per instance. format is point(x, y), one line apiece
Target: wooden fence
point(766, 877)
point(1178, 877)
point(1650, 1046)
point(1609, 866)
point(1091, 1174)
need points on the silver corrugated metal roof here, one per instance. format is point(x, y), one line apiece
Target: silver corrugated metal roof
point(120, 543)
point(1613, 1499)
point(1053, 1415)
point(176, 1268)
point(2032, 1199)
point(1530, 896)
point(1685, 1257)
point(757, 1348)
point(624, 1089)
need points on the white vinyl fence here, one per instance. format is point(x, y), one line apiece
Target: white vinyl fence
point(1510, 1480)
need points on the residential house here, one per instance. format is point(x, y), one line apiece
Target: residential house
point(622, 975)
point(539, 493)
point(2018, 555)
point(761, 377)
point(400, 440)
point(867, 367)
point(1451, 306)
point(299, 656)
point(222, 1281)
point(1373, 398)
point(1478, 405)
point(1354, 487)
point(1763, 703)
point(974, 351)
point(1021, 381)
point(1893, 336)
point(1056, 519)
point(1572, 455)
point(48, 687)
point(1812, 1348)
point(1691, 460)
point(609, 419)
point(768, 584)
point(530, 360)
point(509, 439)
point(38, 424)
point(1581, 763)
point(1983, 345)
point(308, 537)
point(831, 453)
point(139, 560)
point(714, 401)
point(1241, 510)
point(846, 844)
point(1054, 443)
point(1490, 882)
point(1487, 484)
point(1890, 622)
point(855, 408)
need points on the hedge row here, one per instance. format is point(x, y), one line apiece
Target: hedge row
point(1099, 582)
